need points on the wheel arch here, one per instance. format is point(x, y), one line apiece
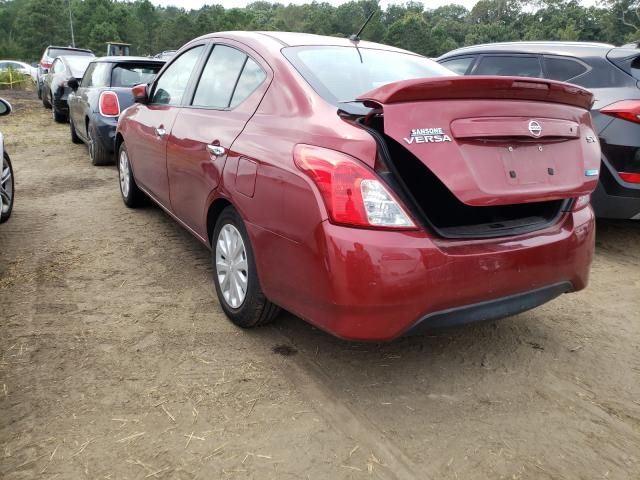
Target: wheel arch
point(119, 140)
point(215, 209)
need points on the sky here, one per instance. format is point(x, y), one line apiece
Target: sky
point(189, 4)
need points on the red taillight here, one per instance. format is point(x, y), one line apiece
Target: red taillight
point(45, 64)
point(109, 104)
point(630, 177)
point(624, 109)
point(352, 193)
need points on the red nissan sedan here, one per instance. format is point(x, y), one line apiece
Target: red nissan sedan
point(364, 188)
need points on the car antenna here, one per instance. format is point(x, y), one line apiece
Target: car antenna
point(355, 38)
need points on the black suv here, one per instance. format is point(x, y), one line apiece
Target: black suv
point(50, 53)
point(611, 73)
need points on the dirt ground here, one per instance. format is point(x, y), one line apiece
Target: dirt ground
point(116, 361)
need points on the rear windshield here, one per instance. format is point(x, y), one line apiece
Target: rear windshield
point(78, 65)
point(128, 75)
point(57, 52)
point(341, 74)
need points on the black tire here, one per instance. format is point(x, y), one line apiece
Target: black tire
point(39, 91)
point(97, 153)
point(45, 101)
point(5, 213)
point(58, 116)
point(255, 309)
point(74, 136)
point(133, 197)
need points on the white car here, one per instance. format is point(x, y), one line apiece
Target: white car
point(20, 67)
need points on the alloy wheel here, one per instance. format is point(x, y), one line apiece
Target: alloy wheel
point(124, 173)
point(6, 187)
point(232, 268)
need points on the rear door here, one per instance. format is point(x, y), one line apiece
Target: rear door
point(227, 94)
point(147, 142)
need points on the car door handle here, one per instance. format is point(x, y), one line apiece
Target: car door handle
point(160, 132)
point(216, 150)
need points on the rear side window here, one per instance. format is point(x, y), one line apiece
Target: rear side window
point(562, 68)
point(97, 75)
point(171, 86)
point(251, 77)
point(128, 75)
point(509, 65)
point(458, 65)
point(219, 77)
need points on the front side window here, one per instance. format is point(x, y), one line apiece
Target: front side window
point(509, 65)
point(219, 77)
point(171, 86)
point(340, 74)
point(458, 65)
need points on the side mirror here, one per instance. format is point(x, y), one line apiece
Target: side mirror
point(140, 93)
point(5, 107)
point(73, 84)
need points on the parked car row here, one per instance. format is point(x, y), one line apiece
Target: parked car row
point(49, 55)
point(90, 93)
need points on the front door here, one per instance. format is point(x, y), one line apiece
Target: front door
point(227, 94)
point(154, 122)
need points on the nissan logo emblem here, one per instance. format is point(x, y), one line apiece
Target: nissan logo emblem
point(535, 128)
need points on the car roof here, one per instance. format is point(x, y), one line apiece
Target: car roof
point(295, 39)
point(127, 59)
point(579, 49)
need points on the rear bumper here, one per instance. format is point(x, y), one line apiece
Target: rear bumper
point(491, 309)
point(614, 198)
point(105, 128)
point(374, 285)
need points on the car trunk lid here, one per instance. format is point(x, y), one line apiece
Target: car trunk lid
point(494, 140)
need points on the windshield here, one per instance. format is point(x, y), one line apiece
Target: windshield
point(341, 74)
point(78, 64)
point(131, 75)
